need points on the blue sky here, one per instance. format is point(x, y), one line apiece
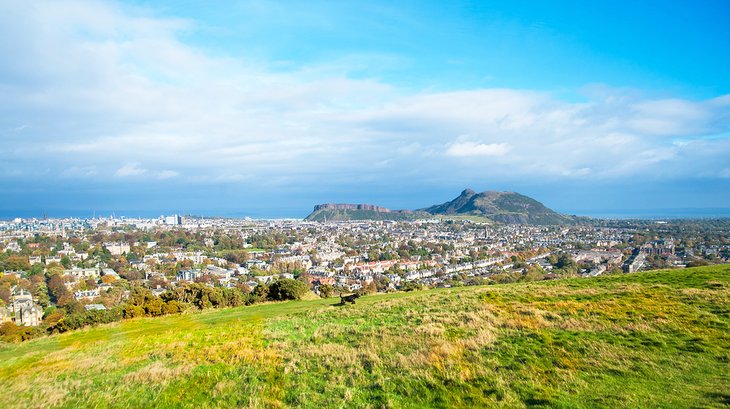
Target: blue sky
point(267, 108)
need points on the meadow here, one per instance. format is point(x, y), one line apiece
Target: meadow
point(654, 339)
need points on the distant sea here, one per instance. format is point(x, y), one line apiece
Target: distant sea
point(149, 214)
point(651, 214)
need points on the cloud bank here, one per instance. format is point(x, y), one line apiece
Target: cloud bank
point(99, 91)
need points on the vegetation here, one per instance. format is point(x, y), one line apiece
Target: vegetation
point(655, 339)
point(504, 207)
point(353, 214)
point(142, 303)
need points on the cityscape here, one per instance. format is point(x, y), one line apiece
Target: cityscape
point(100, 260)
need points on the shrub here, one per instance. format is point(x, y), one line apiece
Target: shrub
point(326, 290)
point(261, 292)
point(133, 311)
point(172, 307)
point(410, 286)
point(287, 289)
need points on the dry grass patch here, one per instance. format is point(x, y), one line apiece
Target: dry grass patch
point(157, 373)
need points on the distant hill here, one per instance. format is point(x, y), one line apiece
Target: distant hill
point(505, 207)
point(346, 212)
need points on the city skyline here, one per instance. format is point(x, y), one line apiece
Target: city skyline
point(265, 109)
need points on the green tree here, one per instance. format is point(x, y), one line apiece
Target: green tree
point(287, 289)
point(326, 290)
point(66, 262)
point(261, 291)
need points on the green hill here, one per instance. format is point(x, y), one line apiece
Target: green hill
point(320, 215)
point(655, 339)
point(505, 207)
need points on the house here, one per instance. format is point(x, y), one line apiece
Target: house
point(80, 274)
point(110, 272)
point(22, 310)
point(53, 259)
point(158, 291)
point(87, 294)
point(117, 249)
point(188, 275)
point(94, 307)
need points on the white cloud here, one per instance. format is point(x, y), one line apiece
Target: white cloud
point(79, 172)
point(167, 174)
point(130, 169)
point(477, 149)
point(98, 83)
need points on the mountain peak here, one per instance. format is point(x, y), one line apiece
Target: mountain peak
point(506, 207)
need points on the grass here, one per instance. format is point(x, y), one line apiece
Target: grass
point(654, 339)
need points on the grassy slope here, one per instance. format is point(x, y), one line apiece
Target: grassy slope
point(658, 339)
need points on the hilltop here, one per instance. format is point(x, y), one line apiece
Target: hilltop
point(345, 212)
point(654, 339)
point(505, 207)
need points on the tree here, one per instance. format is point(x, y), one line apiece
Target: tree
point(108, 279)
point(287, 289)
point(261, 291)
point(5, 293)
point(17, 263)
point(153, 307)
point(326, 290)
point(54, 268)
point(133, 311)
point(172, 307)
point(66, 262)
point(40, 293)
point(533, 273)
point(370, 288)
point(566, 263)
point(37, 269)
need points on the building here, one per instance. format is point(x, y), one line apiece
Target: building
point(86, 295)
point(80, 274)
point(22, 310)
point(174, 220)
point(117, 249)
point(188, 275)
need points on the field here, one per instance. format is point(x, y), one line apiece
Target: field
point(655, 339)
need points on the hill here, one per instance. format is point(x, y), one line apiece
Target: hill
point(505, 207)
point(346, 212)
point(654, 339)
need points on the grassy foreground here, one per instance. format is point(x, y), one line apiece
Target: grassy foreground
point(656, 339)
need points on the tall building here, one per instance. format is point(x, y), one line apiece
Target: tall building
point(174, 220)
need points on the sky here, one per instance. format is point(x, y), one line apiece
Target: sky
point(264, 109)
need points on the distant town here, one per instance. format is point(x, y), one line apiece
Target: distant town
point(54, 268)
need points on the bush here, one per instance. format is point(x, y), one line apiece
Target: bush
point(261, 292)
point(172, 307)
point(326, 290)
point(410, 286)
point(287, 289)
point(133, 311)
